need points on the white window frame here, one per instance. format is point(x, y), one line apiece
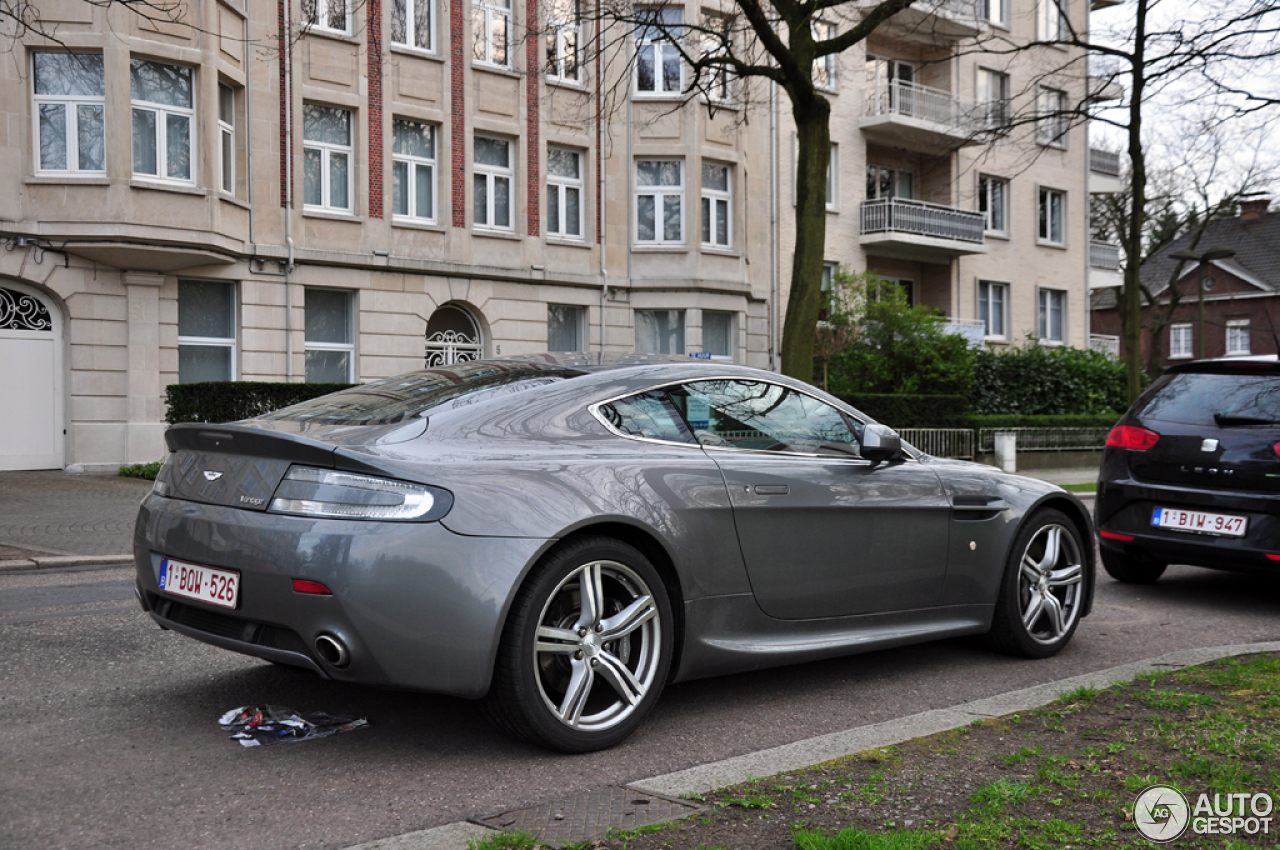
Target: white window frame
point(412, 163)
point(231, 342)
point(349, 347)
point(895, 181)
point(833, 179)
point(663, 48)
point(732, 336)
point(987, 186)
point(718, 80)
point(483, 15)
point(411, 25)
point(555, 47)
point(71, 120)
point(161, 112)
point(1238, 342)
point(1051, 20)
point(226, 142)
point(327, 149)
point(580, 313)
point(1045, 298)
point(996, 12)
point(659, 194)
point(993, 97)
point(1053, 123)
point(1044, 218)
point(985, 290)
point(558, 188)
point(713, 199)
point(825, 76)
point(492, 174)
point(315, 15)
point(1181, 341)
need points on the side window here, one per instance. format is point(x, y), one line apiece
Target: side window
point(762, 416)
point(649, 414)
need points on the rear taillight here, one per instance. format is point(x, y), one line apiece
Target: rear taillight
point(1277, 448)
point(1132, 437)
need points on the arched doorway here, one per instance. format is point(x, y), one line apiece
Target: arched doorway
point(452, 337)
point(30, 379)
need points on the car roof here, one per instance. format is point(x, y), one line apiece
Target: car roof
point(1229, 365)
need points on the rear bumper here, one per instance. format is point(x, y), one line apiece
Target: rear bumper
point(417, 606)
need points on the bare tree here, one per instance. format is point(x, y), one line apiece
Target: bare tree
point(20, 19)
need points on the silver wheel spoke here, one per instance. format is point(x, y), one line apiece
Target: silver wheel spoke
point(1034, 608)
point(628, 619)
point(613, 671)
point(575, 695)
point(591, 589)
point(1052, 544)
point(552, 639)
point(1053, 612)
point(1030, 569)
point(1066, 576)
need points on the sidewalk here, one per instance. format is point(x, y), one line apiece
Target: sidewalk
point(57, 519)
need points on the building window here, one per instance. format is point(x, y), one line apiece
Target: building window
point(69, 100)
point(717, 211)
point(163, 112)
point(566, 327)
point(564, 39)
point(227, 138)
point(880, 288)
point(1052, 314)
point(1237, 336)
point(993, 203)
point(1052, 23)
point(716, 41)
point(889, 183)
point(660, 331)
point(828, 282)
point(490, 26)
point(993, 97)
point(206, 331)
point(660, 201)
point(327, 15)
point(413, 170)
point(658, 67)
point(330, 351)
point(993, 308)
point(493, 180)
point(717, 334)
point(833, 179)
point(1053, 120)
point(326, 157)
point(1052, 215)
point(412, 24)
point(564, 194)
point(1180, 341)
point(996, 11)
point(824, 67)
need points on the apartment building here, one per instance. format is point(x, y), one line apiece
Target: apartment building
point(332, 190)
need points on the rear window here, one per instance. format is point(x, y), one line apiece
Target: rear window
point(404, 396)
point(1215, 400)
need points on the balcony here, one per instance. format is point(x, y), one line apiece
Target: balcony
point(1104, 265)
point(1104, 172)
point(919, 118)
point(914, 230)
point(1109, 345)
point(930, 20)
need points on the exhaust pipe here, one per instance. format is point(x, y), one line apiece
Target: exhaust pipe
point(333, 651)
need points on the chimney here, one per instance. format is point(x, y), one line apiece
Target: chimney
point(1254, 209)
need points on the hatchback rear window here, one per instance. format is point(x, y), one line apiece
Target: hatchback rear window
point(1215, 399)
point(404, 396)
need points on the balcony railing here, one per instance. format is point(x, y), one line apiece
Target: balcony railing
point(1104, 255)
point(1105, 343)
point(1104, 162)
point(912, 100)
point(900, 215)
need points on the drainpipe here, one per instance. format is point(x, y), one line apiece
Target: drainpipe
point(287, 58)
point(602, 239)
point(248, 131)
point(773, 226)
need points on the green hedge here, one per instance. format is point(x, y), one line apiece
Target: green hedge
point(912, 411)
point(1101, 420)
point(231, 401)
point(1038, 380)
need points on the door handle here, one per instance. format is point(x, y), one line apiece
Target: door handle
point(772, 490)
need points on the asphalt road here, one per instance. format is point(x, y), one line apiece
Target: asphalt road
point(109, 735)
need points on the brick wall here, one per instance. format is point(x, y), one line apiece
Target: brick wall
point(458, 103)
point(533, 193)
point(377, 120)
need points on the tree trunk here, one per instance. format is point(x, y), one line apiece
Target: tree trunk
point(813, 137)
point(1131, 303)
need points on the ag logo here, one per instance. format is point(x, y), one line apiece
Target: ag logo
point(1161, 813)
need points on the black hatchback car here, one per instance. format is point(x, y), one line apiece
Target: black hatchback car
point(1191, 473)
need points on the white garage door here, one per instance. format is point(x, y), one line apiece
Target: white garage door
point(30, 380)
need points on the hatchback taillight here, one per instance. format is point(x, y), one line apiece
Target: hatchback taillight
point(1277, 448)
point(1132, 437)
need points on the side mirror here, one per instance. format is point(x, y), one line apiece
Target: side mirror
point(880, 442)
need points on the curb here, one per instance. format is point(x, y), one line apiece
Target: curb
point(710, 777)
point(49, 562)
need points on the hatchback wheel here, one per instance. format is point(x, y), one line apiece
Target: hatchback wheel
point(586, 650)
point(1130, 570)
point(1042, 591)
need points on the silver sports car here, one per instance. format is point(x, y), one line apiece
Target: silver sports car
point(562, 537)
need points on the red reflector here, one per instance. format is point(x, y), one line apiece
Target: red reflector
point(1273, 557)
point(1111, 535)
point(1132, 437)
point(1277, 448)
point(302, 585)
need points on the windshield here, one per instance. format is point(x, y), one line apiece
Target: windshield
point(1215, 399)
point(395, 399)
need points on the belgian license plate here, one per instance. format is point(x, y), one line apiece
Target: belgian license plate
point(1200, 522)
point(207, 584)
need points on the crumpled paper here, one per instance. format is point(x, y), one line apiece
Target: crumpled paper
point(255, 726)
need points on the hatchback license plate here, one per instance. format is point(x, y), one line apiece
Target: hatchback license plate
point(207, 584)
point(1200, 522)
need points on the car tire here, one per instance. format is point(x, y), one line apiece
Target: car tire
point(1042, 592)
point(1129, 569)
point(580, 675)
